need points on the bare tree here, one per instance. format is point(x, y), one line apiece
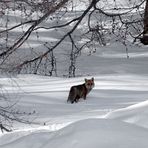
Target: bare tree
point(96, 25)
point(144, 39)
point(101, 25)
point(9, 113)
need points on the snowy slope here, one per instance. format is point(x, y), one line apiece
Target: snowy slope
point(48, 95)
point(114, 113)
point(135, 114)
point(85, 134)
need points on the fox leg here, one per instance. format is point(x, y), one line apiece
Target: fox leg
point(71, 100)
point(72, 96)
point(84, 97)
point(77, 98)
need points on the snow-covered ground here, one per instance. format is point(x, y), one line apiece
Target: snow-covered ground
point(108, 118)
point(113, 115)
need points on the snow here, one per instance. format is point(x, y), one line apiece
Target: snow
point(113, 115)
point(86, 133)
point(135, 114)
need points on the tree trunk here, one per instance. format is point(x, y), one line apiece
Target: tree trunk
point(144, 39)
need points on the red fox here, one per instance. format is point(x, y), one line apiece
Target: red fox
point(80, 91)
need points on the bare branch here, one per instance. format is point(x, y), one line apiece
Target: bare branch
point(16, 26)
point(26, 35)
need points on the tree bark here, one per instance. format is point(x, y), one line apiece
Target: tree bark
point(144, 39)
point(146, 18)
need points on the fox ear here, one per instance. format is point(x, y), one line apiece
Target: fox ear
point(92, 79)
point(85, 80)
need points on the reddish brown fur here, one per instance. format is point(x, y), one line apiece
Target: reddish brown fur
point(80, 91)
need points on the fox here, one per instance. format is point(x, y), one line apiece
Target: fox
point(80, 91)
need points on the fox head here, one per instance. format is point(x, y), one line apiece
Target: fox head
point(89, 83)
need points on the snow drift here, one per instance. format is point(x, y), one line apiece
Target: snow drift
point(136, 114)
point(104, 133)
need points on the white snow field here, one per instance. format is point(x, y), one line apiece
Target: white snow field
point(108, 118)
point(114, 115)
